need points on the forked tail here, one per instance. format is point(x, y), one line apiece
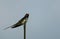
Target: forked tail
point(7, 27)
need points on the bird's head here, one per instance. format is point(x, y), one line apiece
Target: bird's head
point(27, 15)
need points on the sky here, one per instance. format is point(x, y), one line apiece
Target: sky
point(43, 22)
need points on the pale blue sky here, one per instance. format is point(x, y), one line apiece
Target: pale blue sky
point(43, 23)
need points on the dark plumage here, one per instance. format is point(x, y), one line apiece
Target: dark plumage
point(20, 22)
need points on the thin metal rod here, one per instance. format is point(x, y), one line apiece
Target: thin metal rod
point(25, 31)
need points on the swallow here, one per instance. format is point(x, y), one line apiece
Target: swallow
point(20, 22)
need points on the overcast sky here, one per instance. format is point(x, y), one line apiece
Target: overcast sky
point(43, 23)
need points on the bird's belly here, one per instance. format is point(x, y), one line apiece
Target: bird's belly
point(23, 21)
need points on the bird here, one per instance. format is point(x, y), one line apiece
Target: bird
point(22, 21)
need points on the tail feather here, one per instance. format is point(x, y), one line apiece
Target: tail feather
point(7, 27)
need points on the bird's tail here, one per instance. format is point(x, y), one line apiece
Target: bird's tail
point(7, 28)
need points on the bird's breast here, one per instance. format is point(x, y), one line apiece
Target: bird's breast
point(24, 20)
